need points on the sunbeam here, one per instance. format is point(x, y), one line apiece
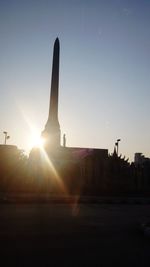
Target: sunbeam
point(52, 168)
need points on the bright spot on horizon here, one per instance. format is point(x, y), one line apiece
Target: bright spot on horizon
point(36, 140)
point(34, 133)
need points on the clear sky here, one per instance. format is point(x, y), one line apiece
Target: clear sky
point(104, 71)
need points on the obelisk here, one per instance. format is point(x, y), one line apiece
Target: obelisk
point(51, 132)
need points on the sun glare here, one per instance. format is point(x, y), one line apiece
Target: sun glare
point(36, 141)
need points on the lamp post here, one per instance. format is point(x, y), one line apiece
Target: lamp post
point(6, 137)
point(117, 145)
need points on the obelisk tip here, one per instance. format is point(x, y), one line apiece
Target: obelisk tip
point(57, 40)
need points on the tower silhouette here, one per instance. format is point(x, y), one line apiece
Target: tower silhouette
point(51, 133)
point(64, 169)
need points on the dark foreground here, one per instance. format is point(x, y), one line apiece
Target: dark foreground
point(72, 235)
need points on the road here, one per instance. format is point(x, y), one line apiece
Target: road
point(73, 235)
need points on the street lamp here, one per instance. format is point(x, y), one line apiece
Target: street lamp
point(117, 145)
point(6, 137)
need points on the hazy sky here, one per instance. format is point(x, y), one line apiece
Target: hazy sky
point(104, 71)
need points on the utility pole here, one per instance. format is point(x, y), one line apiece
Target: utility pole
point(6, 137)
point(117, 145)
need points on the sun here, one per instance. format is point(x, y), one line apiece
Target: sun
point(36, 141)
point(39, 142)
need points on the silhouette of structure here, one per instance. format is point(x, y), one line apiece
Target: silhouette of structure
point(51, 132)
point(13, 168)
point(76, 166)
point(6, 137)
point(140, 159)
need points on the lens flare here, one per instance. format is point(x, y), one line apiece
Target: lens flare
point(36, 140)
point(54, 171)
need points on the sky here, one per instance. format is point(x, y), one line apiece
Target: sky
point(104, 71)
